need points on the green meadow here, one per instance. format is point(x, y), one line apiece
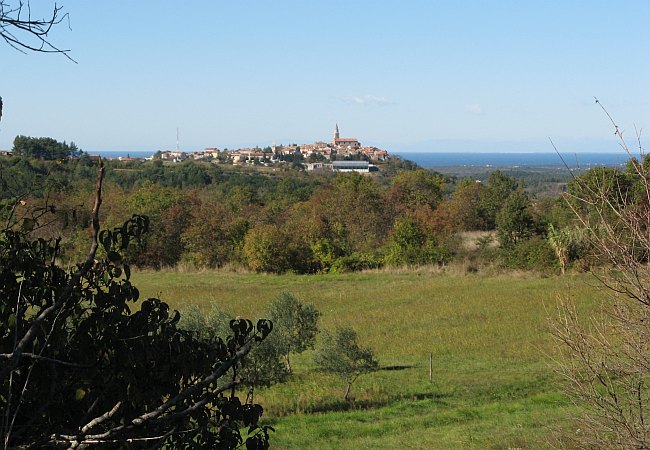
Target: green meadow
point(492, 384)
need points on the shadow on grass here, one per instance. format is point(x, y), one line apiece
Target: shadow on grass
point(397, 367)
point(341, 405)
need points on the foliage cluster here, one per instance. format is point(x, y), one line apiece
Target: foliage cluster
point(86, 362)
point(295, 330)
point(44, 148)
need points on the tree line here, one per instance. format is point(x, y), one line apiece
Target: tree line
point(205, 216)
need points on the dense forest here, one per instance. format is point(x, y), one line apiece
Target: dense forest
point(211, 216)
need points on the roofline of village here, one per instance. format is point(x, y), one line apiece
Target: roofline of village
point(341, 146)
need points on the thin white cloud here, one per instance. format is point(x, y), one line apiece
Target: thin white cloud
point(366, 100)
point(474, 108)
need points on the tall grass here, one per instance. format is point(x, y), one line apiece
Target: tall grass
point(493, 385)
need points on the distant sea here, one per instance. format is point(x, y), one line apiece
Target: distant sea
point(426, 159)
point(122, 153)
point(436, 159)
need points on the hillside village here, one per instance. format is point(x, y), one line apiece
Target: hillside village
point(341, 154)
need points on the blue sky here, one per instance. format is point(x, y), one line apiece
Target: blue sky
point(406, 76)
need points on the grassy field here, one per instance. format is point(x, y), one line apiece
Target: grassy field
point(493, 382)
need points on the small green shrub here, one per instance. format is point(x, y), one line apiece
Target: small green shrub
point(530, 254)
point(429, 253)
point(262, 366)
point(355, 262)
point(214, 324)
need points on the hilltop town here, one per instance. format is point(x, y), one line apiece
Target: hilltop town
point(341, 154)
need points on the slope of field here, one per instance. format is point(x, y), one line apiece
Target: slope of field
point(493, 384)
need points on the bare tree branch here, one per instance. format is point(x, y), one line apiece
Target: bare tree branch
point(35, 357)
point(26, 33)
point(607, 359)
point(157, 414)
point(97, 420)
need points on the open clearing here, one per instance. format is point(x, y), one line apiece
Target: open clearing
point(493, 382)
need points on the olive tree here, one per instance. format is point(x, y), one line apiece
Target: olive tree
point(340, 353)
point(261, 367)
point(296, 325)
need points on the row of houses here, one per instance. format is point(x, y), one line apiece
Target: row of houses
point(319, 151)
point(343, 166)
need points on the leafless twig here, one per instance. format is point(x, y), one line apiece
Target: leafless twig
point(607, 360)
point(25, 33)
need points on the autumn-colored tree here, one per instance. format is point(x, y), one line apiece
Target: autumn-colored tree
point(154, 201)
point(356, 203)
point(468, 207)
point(215, 234)
point(412, 189)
